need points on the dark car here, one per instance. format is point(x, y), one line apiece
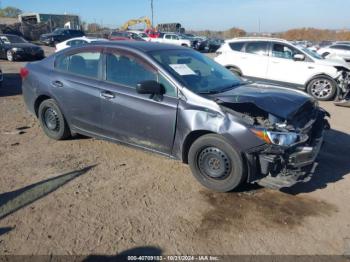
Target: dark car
point(210, 45)
point(179, 103)
point(13, 47)
point(59, 35)
point(121, 36)
point(1, 77)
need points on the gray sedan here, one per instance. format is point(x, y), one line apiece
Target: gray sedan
point(179, 103)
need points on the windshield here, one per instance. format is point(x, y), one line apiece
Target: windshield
point(12, 39)
point(197, 72)
point(312, 53)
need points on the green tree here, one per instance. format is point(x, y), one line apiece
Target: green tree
point(10, 11)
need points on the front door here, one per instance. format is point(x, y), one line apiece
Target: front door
point(145, 120)
point(283, 68)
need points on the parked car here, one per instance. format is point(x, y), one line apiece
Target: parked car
point(276, 61)
point(79, 41)
point(60, 35)
point(336, 50)
point(210, 45)
point(179, 103)
point(122, 36)
point(172, 38)
point(143, 35)
point(14, 47)
point(1, 77)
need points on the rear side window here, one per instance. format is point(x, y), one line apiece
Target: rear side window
point(237, 46)
point(346, 47)
point(83, 63)
point(257, 48)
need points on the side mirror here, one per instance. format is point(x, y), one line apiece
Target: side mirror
point(150, 87)
point(299, 57)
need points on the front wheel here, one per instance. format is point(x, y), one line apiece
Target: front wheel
point(322, 88)
point(52, 120)
point(216, 164)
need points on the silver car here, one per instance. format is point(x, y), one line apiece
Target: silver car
point(179, 103)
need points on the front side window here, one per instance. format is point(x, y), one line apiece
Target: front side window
point(83, 63)
point(284, 51)
point(168, 36)
point(257, 48)
point(128, 70)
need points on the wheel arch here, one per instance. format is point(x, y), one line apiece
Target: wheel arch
point(38, 101)
point(319, 75)
point(190, 138)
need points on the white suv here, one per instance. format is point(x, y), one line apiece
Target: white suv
point(277, 61)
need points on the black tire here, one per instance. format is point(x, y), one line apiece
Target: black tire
point(322, 88)
point(52, 120)
point(216, 164)
point(10, 56)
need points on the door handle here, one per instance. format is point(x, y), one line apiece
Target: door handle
point(57, 83)
point(107, 94)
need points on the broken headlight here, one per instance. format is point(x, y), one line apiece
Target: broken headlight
point(280, 138)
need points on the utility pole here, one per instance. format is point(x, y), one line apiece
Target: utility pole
point(152, 11)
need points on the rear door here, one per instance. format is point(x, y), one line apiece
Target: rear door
point(145, 120)
point(75, 83)
point(254, 59)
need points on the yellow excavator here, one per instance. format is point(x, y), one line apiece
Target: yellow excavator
point(140, 20)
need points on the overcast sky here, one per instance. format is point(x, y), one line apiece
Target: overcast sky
point(274, 15)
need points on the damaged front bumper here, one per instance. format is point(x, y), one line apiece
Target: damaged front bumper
point(276, 167)
point(285, 171)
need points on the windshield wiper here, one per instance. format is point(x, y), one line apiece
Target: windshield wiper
point(223, 90)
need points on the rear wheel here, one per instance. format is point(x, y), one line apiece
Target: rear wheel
point(52, 120)
point(322, 88)
point(9, 55)
point(215, 163)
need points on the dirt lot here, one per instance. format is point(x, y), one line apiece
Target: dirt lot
point(87, 196)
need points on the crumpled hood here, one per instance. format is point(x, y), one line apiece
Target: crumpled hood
point(334, 61)
point(278, 101)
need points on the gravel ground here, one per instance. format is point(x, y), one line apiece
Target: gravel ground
point(85, 196)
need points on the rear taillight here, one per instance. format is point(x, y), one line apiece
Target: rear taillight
point(24, 72)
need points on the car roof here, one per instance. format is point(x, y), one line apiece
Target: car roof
point(240, 39)
point(142, 46)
